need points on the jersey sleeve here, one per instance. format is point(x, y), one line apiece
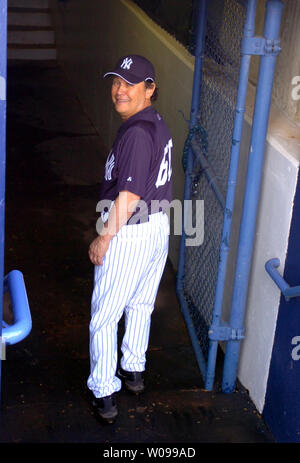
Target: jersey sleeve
point(135, 161)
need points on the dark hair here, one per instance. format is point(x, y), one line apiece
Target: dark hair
point(149, 84)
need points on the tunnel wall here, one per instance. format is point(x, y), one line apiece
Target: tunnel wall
point(87, 49)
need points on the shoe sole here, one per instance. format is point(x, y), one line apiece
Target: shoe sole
point(110, 418)
point(129, 387)
point(134, 390)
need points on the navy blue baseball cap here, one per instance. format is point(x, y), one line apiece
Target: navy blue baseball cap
point(134, 69)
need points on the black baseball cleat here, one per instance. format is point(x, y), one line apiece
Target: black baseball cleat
point(134, 380)
point(106, 408)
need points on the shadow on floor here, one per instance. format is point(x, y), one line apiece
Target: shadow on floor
point(54, 165)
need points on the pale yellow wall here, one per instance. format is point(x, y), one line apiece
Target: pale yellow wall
point(92, 35)
point(288, 61)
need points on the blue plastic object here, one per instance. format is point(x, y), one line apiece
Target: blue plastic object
point(14, 284)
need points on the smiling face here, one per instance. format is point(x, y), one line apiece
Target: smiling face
point(130, 99)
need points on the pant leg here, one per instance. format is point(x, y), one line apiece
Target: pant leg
point(140, 307)
point(105, 314)
point(115, 283)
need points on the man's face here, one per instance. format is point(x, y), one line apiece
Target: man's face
point(130, 99)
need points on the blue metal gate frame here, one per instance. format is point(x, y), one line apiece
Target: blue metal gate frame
point(3, 60)
point(200, 38)
point(268, 48)
point(13, 283)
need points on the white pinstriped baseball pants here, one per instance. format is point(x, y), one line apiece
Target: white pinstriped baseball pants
point(127, 282)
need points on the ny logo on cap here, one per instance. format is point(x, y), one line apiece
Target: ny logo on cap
point(127, 62)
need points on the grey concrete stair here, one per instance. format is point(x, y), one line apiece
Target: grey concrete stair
point(30, 35)
point(40, 4)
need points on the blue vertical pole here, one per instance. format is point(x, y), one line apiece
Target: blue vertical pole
point(251, 198)
point(3, 57)
point(201, 14)
point(249, 30)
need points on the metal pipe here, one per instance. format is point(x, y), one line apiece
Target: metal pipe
point(251, 198)
point(287, 290)
point(200, 39)
point(270, 267)
point(3, 72)
point(14, 284)
point(249, 30)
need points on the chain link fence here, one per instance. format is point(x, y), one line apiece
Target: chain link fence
point(225, 22)
point(212, 135)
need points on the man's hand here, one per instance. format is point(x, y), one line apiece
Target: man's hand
point(121, 211)
point(98, 248)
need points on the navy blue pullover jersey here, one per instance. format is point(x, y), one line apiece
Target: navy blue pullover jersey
point(140, 161)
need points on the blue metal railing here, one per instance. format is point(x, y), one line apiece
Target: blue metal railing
point(268, 47)
point(13, 282)
point(3, 54)
point(217, 323)
point(287, 290)
point(223, 78)
point(200, 38)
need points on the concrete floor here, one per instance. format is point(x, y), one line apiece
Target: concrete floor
point(54, 165)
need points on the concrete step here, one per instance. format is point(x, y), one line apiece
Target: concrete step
point(28, 18)
point(31, 52)
point(40, 4)
point(30, 37)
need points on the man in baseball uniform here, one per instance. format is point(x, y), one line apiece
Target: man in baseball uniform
point(130, 252)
